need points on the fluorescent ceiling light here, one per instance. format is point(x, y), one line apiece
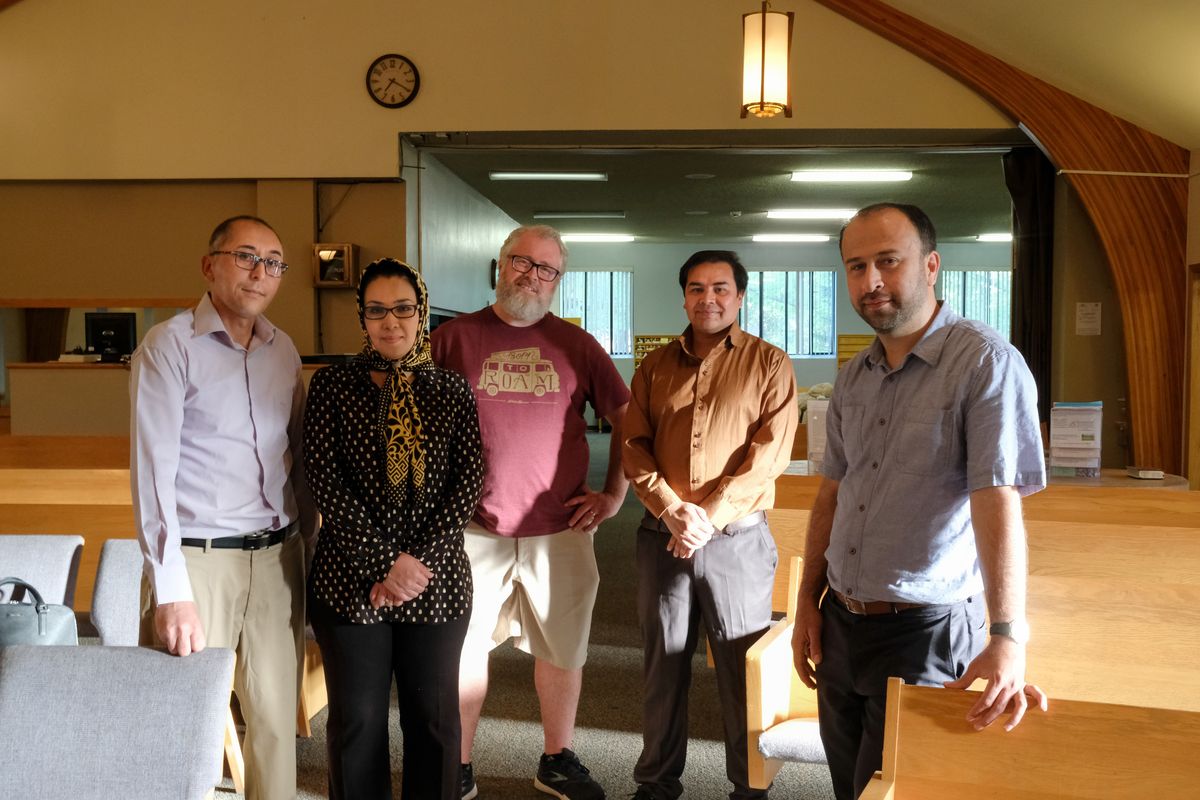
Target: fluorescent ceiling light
point(790, 237)
point(548, 176)
point(579, 215)
point(597, 238)
point(994, 237)
point(810, 213)
point(851, 175)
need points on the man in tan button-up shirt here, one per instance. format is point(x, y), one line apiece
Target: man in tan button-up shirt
point(708, 430)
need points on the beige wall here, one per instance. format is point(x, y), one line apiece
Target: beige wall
point(372, 216)
point(220, 89)
point(103, 239)
point(1085, 368)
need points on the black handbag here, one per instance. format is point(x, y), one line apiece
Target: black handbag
point(38, 622)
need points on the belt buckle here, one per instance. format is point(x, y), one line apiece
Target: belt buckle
point(256, 541)
point(855, 607)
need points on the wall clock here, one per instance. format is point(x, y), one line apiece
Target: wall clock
point(393, 80)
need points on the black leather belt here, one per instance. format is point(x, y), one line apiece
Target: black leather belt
point(259, 540)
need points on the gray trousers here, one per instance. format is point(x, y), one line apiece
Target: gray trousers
point(727, 586)
point(924, 646)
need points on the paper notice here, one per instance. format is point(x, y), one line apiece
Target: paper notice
point(1087, 319)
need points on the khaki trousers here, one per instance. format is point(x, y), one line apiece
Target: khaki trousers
point(252, 601)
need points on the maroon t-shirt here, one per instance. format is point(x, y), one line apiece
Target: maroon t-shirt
point(531, 385)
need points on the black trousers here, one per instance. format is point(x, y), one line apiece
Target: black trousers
point(924, 646)
point(726, 586)
point(360, 664)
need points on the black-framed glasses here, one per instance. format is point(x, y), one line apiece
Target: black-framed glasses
point(248, 261)
point(401, 311)
point(524, 264)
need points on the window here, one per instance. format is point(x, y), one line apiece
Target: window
point(604, 302)
point(792, 310)
point(980, 295)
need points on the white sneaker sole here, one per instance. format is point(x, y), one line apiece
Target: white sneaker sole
point(541, 787)
point(472, 794)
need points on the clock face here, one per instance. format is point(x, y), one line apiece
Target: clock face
point(393, 81)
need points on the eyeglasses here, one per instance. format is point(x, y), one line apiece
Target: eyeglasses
point(523, 264)
point(248, 261)
point(402, 311)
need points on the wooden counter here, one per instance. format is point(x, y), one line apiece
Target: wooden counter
point(69, 399)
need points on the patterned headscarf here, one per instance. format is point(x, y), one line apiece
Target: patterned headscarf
point(400, 421)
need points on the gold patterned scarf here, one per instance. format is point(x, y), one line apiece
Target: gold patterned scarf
point(400, 421)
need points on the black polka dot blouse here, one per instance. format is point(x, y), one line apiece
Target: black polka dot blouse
point(362, 532)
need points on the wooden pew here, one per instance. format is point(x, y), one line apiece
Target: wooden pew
point(1076, 749)
point(788, 526)
point(94, 503)
point(1113, 594)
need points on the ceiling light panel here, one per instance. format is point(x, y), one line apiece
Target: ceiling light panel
point(598, 238)
point(548, 176)
point(851, 175)
point(994, 237)
point(811, 213)
point(579, 215)
point(790, 237)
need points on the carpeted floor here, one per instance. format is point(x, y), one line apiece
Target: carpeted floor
point(608, 735)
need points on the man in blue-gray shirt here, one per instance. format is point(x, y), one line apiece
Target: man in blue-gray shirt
point(933, 439)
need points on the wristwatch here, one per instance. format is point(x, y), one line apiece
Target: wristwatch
point(1016, 629)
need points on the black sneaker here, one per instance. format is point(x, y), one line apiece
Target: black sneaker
point(564, 777)
point(644, 793)
point(466, 775)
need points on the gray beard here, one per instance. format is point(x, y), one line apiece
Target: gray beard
point(519, 305)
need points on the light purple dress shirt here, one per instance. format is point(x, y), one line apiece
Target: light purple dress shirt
point(215, 431)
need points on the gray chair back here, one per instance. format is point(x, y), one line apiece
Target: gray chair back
point(50, 563)
point(128, 722)
point(116, 601)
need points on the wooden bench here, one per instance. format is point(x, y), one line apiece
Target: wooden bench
point(1076, 749)
point(1114, 595)
point(1113, 601)
point(80, 484)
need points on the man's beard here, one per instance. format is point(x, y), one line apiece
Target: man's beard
point(519, 304)
point(886, 321)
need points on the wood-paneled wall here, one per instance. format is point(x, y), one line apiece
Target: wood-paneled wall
point(1141, 221)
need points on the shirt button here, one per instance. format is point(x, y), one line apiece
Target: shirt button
point(853, 550)
point(882, 421)
point(862, 508)
point(849, 592)
point(874, 465)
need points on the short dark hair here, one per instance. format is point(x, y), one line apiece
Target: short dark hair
point(919, 219)
point(740, 277)
point(222, 230)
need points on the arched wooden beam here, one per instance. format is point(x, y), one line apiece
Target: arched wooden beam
point(1141, 221)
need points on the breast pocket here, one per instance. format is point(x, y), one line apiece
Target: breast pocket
point(927, 443)
point(852, 431)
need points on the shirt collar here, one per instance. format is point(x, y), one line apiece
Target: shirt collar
point(735, 338)
point(929, 347)
point(208, 321)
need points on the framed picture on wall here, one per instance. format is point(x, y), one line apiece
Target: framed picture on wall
point(335, 265)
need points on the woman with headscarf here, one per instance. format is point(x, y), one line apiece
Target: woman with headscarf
point(392, 455)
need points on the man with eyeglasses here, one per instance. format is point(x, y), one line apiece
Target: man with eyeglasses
point(530, 544)
point(710, 428)
point(217, 409)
